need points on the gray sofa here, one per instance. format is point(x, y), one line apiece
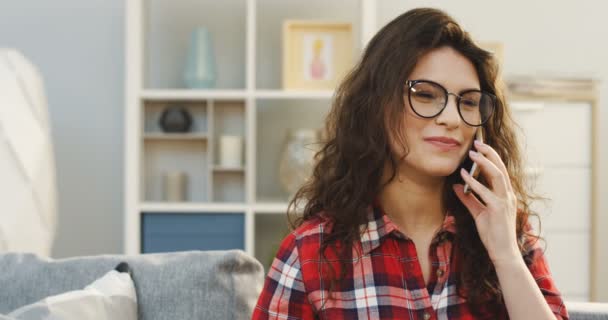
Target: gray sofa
point(587, 310)
point(185, 285)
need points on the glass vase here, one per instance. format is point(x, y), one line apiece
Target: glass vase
point(297, 158)
point(200, 68)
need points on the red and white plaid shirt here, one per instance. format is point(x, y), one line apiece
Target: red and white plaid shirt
point(384, 280)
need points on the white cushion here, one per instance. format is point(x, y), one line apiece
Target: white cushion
point(111, 297)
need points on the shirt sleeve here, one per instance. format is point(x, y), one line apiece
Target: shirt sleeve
point(284, 295)
point(539, 267)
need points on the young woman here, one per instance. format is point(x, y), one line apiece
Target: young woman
point(387, 231)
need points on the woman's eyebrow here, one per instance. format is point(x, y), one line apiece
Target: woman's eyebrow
point(469, 89)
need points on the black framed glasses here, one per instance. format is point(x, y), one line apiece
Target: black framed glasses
point(428, 99)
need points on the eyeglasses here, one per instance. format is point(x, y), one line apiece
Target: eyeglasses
point(428, 99)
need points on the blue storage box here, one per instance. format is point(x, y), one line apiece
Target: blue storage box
point(167, 232)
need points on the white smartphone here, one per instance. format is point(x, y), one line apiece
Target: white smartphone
point(474, 172)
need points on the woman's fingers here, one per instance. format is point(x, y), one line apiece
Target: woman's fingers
point(471, 202)
point(494, 157)
point(482, 191)
point(493, 175)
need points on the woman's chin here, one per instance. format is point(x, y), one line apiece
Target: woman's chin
point(433, 166)
point(442, 173)
point(441, 169)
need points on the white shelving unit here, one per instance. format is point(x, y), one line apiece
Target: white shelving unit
point(248, 100)
point(566, 167)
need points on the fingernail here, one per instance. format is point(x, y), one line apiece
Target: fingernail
point(463, 171)
point(478, 143)
point(473, 153)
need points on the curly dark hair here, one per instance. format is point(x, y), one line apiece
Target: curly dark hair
point(368, 109)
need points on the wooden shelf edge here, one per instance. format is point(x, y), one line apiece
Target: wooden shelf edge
point(294, 94)
point(192, 207)
point(220, 94)
point(222, 169)
point(175, 136)
point(261, 207)
point(192, 94)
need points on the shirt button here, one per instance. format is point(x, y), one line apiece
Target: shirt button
point(426, 315)
point(439, 273)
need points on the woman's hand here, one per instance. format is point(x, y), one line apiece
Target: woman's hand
point(496, 220)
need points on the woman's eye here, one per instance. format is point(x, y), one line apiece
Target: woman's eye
point(469, 103)
point(425, 95)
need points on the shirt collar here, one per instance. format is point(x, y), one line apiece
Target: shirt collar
point(379, 226)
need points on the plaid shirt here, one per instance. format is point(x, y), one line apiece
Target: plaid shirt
point(384, 280)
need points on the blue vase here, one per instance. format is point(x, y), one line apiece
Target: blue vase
point(200, 65)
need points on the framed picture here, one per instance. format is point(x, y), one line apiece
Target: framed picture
point(316, 54)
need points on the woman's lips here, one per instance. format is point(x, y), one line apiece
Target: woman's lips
point(443, 146)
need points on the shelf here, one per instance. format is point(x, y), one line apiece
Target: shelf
point(200, 207)
point(228, 119)
point(176, 136)
point(189, 94)
point(195, 95)
point(271, 207)
point(153, 111)
point(218, 168)
point(270, 16)
point(228, 186)
point(294, 94)
point(164, 156)
point(167, 28)
point(275, 118)
point(191, 207)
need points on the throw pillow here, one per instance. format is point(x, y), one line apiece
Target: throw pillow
point(111, 297)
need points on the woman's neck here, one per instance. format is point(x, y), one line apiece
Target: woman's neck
point(414, 202)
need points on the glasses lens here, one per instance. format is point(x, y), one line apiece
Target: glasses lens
point(476, 107)
point(427, 99)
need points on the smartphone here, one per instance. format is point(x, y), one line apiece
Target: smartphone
point(474, 172)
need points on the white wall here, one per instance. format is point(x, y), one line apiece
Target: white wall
point(78, 47)
point(568, 38)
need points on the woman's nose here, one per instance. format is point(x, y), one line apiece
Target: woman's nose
point(450, 115)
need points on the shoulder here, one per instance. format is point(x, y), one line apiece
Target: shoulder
point(313, 227)
point(304, 242)
point(310, 233)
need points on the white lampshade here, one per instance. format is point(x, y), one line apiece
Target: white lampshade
point(28, 194)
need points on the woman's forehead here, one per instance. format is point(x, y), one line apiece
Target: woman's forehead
point(447, 67)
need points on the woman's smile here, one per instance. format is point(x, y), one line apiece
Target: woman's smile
point(443, 143)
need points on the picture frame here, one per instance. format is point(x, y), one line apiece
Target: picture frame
point(316, 54)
